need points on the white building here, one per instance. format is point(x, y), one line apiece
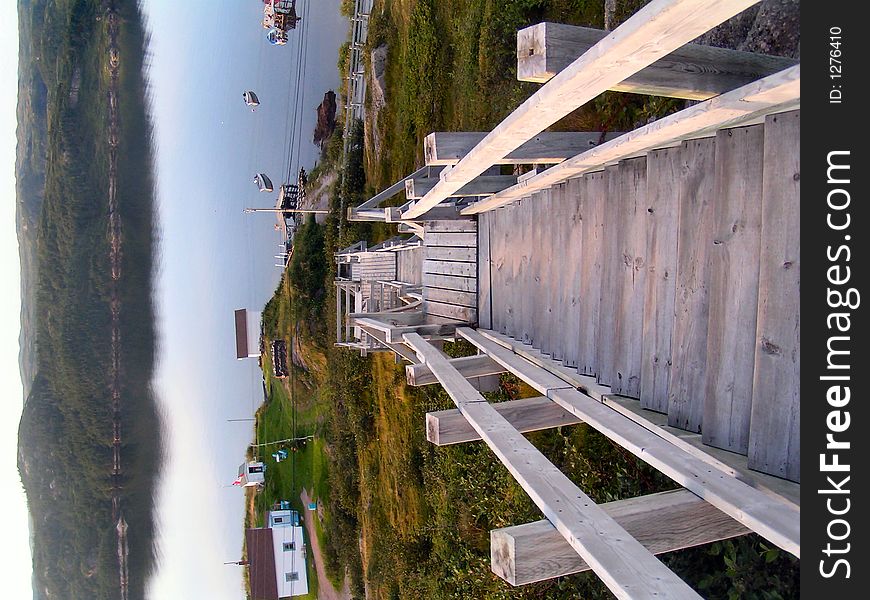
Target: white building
point(247, 333)
point(250, 474)
point(276, 557)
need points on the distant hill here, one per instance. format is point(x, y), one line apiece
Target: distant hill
point(89, 438)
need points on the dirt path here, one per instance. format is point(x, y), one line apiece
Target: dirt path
point(325, 589)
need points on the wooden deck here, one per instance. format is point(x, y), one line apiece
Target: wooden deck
point(674, 279)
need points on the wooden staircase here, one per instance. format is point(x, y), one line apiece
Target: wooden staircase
point(674, 279)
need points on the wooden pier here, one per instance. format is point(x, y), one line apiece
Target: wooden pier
point(644, 283)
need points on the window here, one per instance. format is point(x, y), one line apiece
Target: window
point(278, 519)
point(294, 576)
point(289, 546)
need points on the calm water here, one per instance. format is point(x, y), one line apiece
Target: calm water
point(215, 259)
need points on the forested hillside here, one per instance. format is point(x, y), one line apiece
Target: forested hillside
point(89, 435)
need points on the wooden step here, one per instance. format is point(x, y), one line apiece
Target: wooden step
point(609, 249)
point(661, 216)
point(591, 272)
point(774, 433)
point(695, 238)
point(733, 288)
point(631, 270)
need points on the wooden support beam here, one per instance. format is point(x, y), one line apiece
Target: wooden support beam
point(694, 72)
point(393, 333)
point(470, 366)
point(776, 93)
point(547, 148)
point(729, 462)
point(401, 350)
point(446, 427)
point(623, 564)
point(654, 31)
point(662, 522)
point(778, 522)
point(480, 186)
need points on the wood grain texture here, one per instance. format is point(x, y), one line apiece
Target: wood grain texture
point(631, 270)
point(484, 277)
point(733, 288)
point(653, 32)
point(662, 522)
point(548, 147)
point(450, 282)
point(470, 366)
point(694, 72)
point(591, 272)
point(575, 190)
point(777, 521)
point(774, 436)
point(777, 93)
point(612, 261)
point(692, 304)
point(728, 462)
point(661, 215)
point(446, 427)
point(623, 564)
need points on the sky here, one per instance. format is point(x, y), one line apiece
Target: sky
point(215, 259)
point(212, 260)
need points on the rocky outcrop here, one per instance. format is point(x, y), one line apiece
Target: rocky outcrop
point(377, 86)
point(325, 119)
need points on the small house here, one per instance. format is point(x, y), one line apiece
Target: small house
point(276, 557)
point(247, 333)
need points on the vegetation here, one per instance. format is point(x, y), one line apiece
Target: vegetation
point(403, 518)
point(66, 431)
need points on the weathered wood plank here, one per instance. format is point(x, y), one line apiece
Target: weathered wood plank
point(450, 282)
point(728, 462)
point(451, 253)
point(777, 93)
point(694, 72)
point(591, 272)
point(662, 522)
point(443, 267)
point(628, 569)
point(446, 427)
point(612, 262)
point(469, 366)
point(631, 269)
point(400, 349)
point(466, 314)
point(484, 277)
point(467, 239)
point(550, 274)
point(537, 261)
point(512, 260)
point(733, 288)
point(560, 278)
point(526, 295)
point(695, 239)
point(479, 186)
point(776, 521)
point(575, 189)
point(468, 299)
point(548, 147)
point(663, 168)
point(774, 436)
point(651, 33)
point(450, 226)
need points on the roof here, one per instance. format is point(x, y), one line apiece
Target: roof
point(261, 564)
point(241, 333)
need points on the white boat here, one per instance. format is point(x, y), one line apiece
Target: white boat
point(263, 182)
